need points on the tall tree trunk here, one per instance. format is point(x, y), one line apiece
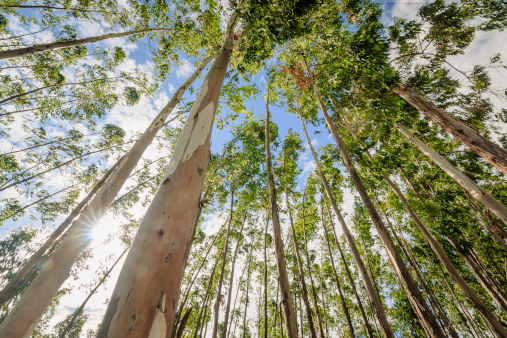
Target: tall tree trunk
point(367, 279)
point(23, 317)
point(310, 275)
point(183, 323)
point(63, 164)
point(92, 292)
point(487, 315)
point(219, 298)
point(161, 241)
point(349, 275)
point(403, 245)
point(35, 258)
point(482, 275)
point(483, 147)
point(342, 297)
point(290, 316)
point(247, 291)
point(192, 281)
point(301, 276)
point(231, 276)
point(463, 310)
point(473, 189)
point(420, 307)
point(208, 292)
point(234, 319)
point(34, 49)
point(496, 231)
point(266, 277)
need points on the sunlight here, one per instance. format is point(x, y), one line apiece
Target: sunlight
point(100, 233)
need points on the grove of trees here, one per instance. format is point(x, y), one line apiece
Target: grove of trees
point(246, 168)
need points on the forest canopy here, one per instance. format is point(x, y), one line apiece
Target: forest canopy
point(248, 168)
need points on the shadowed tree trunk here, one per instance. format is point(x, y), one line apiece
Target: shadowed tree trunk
point(367, 279)
point(224, 263)
point(426, 318)
point(483, 147)
point(290, 316)
point(183, 323)
point(301, 276)
point(349, 275)
point(231, 277)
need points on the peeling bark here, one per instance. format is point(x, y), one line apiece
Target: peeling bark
point(24, 316)
point(483, 147)
point(155, 264)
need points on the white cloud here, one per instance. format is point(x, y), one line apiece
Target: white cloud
point(212, 224)
point(185, 69)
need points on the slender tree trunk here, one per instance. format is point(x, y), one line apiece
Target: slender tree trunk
point(219, 298)
point(234, 319)
point(161, 241)
point(21, 210)
point(266, 277)
point(35, 258)
point(433, 300)
point(208, 292)
point(367, 279)
point(7, 186)
point(483, 147)
point(420, 307)
point(290, 316)
point(349, 275)
point(487, 315)
point(34, 49)
point(192, 281)
point(310, 275)
point(497, 232)
point(13, 97)
point(231, 276)
point(247, 291)
point(53, 8)
point(36, 298)
point(183, 323)
point(460, 304)
point(413, 264)
point(39, 145)
point(482, 276)
point(81, 308)
point(342, 298)
point(466, 183)
point(301, 276)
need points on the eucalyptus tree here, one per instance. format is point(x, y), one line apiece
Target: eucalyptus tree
point(432, 241)
point(73, 244)
point(290, 315)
